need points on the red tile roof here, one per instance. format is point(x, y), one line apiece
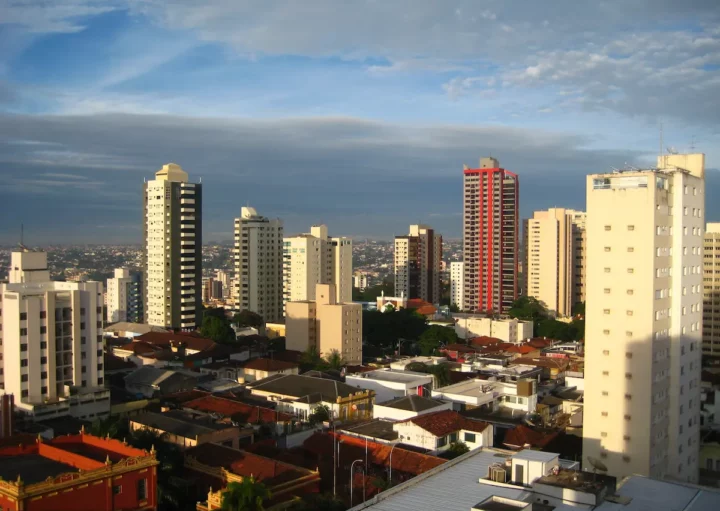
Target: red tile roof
point(484, 340)
point(416, 303)
point(540, 342)
point(522, 349)
point(460, 348)
point(164, 339)
point(522, 436)
point(237, 410)
point(140, 347)
point(546, 362)
point(445, 422)
point(426, 310)
point(266, 364)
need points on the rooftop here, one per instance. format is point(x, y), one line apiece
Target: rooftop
point(32, 468)
point(413, 403)
point(376, 428)
point(137, 328)
point(393, 375)
point(180, 423)
point(445, 422)
point(239, 412)
point(267, 364)
point(300, 387)
point(165, 339)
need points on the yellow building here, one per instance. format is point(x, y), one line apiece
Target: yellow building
point(711, 291)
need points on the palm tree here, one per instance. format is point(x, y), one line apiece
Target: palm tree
point(335, 360)
point(247, 495)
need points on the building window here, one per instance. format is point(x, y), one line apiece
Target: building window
point(117, 489)
point(606, 311)
point(606, 352)
point(43, 314)
point(606, 373)
point(607, 290)
point(100, 381)
point(442, 441)
point(24, 393)
point(631, 249)
point(23, 362)
point(605, 393)
point(604, 414)
point(43, 360)
point(43, 390)
point(82, 311)
point(631, 270)
point(607, 249)
point(142, 489)
point(630, 291)
point(43, 375)
point(603, 434)
point(606, 332)
point(23, 316)
point(23, 331)
point(23, 347)
point(628, 397)
point(626, 459)
point(627, 417)
point(607, 227)
point(23, 377)
point(631, 227)
point(470, 437)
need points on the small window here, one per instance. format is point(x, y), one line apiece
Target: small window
point(631, 227)
point(604, 414)
point(142, 489)
point(608, 227)
point(605, 393)
point(606, 352)
point(606, 311)
point(626, 438)
point(607, 249)
point(631, 249)
point(628, 397)
point(631, 270)
point(626, 459)
point(23, 316)
point(629, 313)
point(628, 354)
point(630, 291)
point(23, 331)
point(606, 332)
point(628, 417)
point(43, 314)
point(607, 290)
point(470, 437)
point(117, 489)
point(606, 373)
point(603, 434)
point(607, 270)
point(628, 376)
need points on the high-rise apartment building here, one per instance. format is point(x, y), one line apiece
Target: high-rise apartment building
point(644, 318)
point(124, 297)
point(326, 325)
point(711, 291)
point(418, 258)
point(259, 264)
point(490, 236)
point(51, 344)
point(552, 270)
point(579, 220)
point(173, 250)
point(212, 290)
point(315, 258)
point(457, 296)
point(224, 278)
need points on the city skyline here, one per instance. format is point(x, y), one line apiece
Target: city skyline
point(95, 95)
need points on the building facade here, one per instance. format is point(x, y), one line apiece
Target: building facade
point(457, 288)
point(125, 297)
point(51, 344)
point(490, 236)
point(418, 258)
point(173, 250)
point(711, 290)
point(259, 264)
point(644, 318)
point(316, 258)
point(551, 266)
point(325, 324)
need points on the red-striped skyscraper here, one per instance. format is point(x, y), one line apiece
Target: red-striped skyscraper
point(490, 236)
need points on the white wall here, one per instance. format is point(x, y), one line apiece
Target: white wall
point(386, 412)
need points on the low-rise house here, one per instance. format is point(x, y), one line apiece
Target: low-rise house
point(460, 352)
point(553, 368)
point(225, 369)
point(389, 384)
point(260, 368)
point(301, 395)
point(401, 364)
point(518, 395)
point(191, 429)
point(241, 413)
point(436, 431)
point(153, 382)
point(479, 325)
point(124, 329)
point(406, 407)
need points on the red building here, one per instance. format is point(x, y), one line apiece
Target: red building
point(490, 236)
point(77, 473)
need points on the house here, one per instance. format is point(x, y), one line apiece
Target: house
point(436, 431)
point(128, 330)
point(78, 472)
point(523, 437)
point(181, 343)
point(479, 325)
point(553, 368)
point(301, 395)
point(211, 467)
point(260, 368)
point(389, 383)
point(241, 413)
point(460, 352)
point(225, 369)
point(400, 365)
point(152, 382)
point(518, 395)
point(190, 429)
point(406, 407)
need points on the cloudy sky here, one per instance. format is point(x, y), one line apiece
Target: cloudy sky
point(359, 114)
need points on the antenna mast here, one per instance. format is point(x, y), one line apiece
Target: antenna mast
point(661, 140)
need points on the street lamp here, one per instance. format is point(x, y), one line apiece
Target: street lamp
point(400, 343)
point(390, 477)
point(352, 472)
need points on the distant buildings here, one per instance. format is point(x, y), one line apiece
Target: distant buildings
point(212, 290)
point(711, 291)
point(512, 330)
point(259, 264)
point(224, 279)
point(490, 236)
point(555, 254)
point(124, 297)
point(52, 346)
point(643, 318)
point(457, 289)
point(418, 258)
point(316, 258)
point(326, 325)
point(361, 281)
point(173, 250)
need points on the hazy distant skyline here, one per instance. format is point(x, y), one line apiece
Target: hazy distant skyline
point(356, 114)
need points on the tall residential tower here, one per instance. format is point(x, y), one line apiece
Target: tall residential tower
point(644, 318)
point(711, 291)
point(259, 265)
point(173, 250)
point(490, 236)
point(124, 297)
point(418, 257)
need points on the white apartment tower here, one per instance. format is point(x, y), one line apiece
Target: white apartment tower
point(173, 250)
point(711, 291)
point(644, 318)
point(51, 343)
point(124, 297)
point(418, 258)
point(259, 264)
point(457, 297)
point(553, 273)
point(315, 258)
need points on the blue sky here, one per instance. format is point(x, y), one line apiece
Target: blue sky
point(359, 114)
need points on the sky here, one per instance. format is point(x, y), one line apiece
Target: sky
point(358, 114)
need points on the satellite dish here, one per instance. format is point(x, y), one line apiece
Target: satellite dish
point(597, 464)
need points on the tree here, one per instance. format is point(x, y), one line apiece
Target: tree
point(114, 427)
point(370, 294)
point(454, 307)
point(456, 449)
point(217, 329)
point(248, 318)
point(321, 502)
point(384, 329)
point(334, 360)
point(247, 495)
point(435, 336)
point(441, 372)
point(578, 309)
point(528, 308)
point(320, 414)
point(311, 359)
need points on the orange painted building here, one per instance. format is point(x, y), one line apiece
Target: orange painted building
point(77, 473)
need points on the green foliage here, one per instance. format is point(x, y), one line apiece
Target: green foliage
point(335, 361)
point(441, 372)
point(248, 318)
point(247, 495)
point(321, 502)
point(370, 294)
point(320, 414)
point(528, 308)
point(559, 330)
point(311, 359)
point(454, 307)
point(114, 427)
point(578, 309)
point(217, 329)
point(456, 449)
point(435, 336)
point(384, 329)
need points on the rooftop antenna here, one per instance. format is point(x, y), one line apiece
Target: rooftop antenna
point(661, 141)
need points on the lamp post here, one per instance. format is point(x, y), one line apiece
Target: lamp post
point(400, 343)
point(352, 472)
point(390, 477)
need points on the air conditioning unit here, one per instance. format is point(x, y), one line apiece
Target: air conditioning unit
point(497, 473)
